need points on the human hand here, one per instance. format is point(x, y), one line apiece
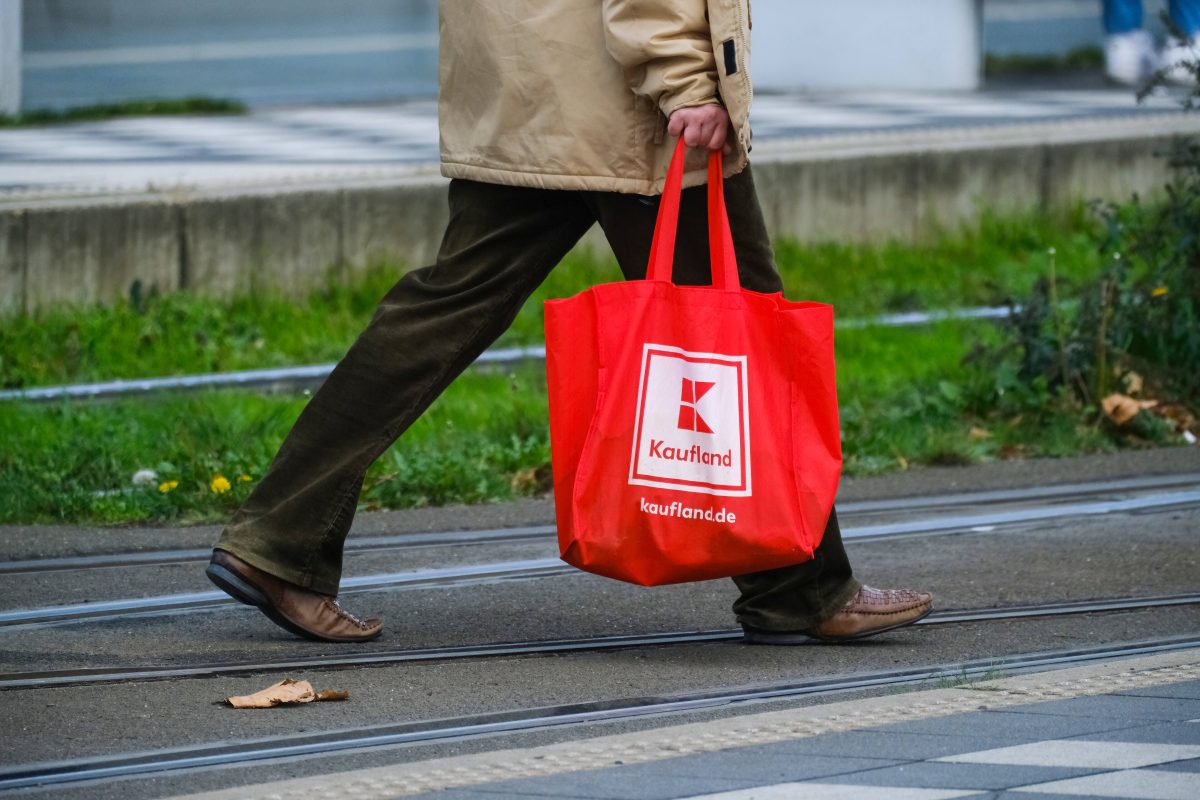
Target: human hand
point(702, 126)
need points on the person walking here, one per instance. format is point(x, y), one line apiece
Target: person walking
point(554, 115)
point(1130, 56)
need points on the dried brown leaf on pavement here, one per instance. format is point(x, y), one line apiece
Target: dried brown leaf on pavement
point(1122, 408)
point(287, 692)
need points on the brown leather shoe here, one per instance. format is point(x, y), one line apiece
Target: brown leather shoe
point(869, 612)
point(301, 611)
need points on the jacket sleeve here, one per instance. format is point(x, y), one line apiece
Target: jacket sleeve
point(665, 48)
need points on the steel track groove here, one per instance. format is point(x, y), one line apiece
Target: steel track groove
point(98, 675)
point(848, 510)
point(548, 567)
point(248, 751)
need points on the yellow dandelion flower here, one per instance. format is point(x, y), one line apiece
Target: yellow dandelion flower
point(220, 484)
point(244, 479)
point(1159, 291)
point(167, 486)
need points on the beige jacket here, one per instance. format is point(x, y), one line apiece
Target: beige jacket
point(575, 94)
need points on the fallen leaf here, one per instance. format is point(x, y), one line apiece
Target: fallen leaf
point(1122, 408)
point(288, 692)
point(1180, 416)
point(539, 479)
point(979, 433)
point(1009, 451)
point(1134, 382)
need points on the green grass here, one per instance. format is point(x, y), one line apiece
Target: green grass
point(182, 334)
point(128, 108)
point(485, 439)
point(1080, 58)
point(906, 396)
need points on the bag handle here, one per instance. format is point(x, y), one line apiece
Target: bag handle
point(720, 239)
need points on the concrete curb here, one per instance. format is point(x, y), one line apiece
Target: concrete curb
point(292, 234)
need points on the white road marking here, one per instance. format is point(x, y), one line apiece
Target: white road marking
point(838, 791)
point(1077, 753)
point(1143, 784)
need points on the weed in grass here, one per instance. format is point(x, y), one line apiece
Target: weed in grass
point(963, 680)
point(1135, 327)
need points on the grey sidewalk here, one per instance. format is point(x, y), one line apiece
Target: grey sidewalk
point(372, 142)
point(1128, 728)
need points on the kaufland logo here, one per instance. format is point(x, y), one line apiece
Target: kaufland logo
point(689, 418)
point(692, 430)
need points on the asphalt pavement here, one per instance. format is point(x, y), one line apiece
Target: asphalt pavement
point(1148, 553)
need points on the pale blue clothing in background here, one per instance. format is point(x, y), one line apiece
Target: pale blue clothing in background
point(1123, 16)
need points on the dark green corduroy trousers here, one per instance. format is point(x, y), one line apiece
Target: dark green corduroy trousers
point(500, 244)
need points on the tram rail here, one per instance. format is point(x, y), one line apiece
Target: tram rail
point(108, 675)
point(988, 522)
point(236, 753)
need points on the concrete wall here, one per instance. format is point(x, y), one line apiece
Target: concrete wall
point(10, 56)
point(867, 44)
point(93, 250)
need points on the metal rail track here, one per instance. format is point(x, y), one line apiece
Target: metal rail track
point(989, 522)
point(515, 535)
point(233, 753)
point(71, 677)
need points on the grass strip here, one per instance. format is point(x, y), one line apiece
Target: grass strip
point(486, 439)
point(153, 107)
point(150, 335)
point(1086, 57)
point(907, 396)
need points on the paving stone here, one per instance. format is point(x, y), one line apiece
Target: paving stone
point(890, 744)
point(462, 794)
point(1079, 753)
point(943, 775)
point(836, 791)
point(1191, 765)
point(616, 783)
point(1117, 707)
point(1165, 733)
point(1010, 724)
point(1143, 784)
point(750, 762)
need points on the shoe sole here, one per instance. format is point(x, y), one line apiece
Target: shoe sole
point(245, 592)
point(752, 636)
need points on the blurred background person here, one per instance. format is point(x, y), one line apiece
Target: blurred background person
point(1130, 55)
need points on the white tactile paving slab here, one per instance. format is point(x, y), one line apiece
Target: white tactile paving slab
point(1072, 753)
point(838, 791)
point(1140, 784)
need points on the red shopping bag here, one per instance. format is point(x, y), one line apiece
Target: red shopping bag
point(694, 429)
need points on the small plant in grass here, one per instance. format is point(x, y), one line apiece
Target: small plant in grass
point(1126, 341)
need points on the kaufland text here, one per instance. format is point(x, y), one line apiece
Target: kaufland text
point(678, 509)
point(694, 454)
